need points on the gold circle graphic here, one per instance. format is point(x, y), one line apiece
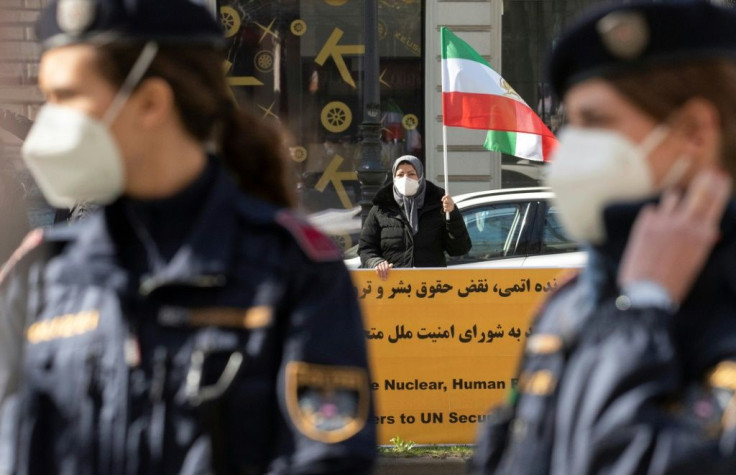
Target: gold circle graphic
point(410, 121)
point(230, 19)
point(298, 27)
point(336, 116)
point(263, 61)
point(336, 3)
point(298, 154)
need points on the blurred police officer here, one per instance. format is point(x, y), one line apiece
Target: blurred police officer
point(193, 324)
point(632, 366)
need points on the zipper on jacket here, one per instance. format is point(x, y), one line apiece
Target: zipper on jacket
point(407, 232)
point(413, 248)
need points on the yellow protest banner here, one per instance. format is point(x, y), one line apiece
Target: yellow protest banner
point(444, 345)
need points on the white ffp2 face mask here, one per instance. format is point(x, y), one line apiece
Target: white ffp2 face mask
point(406, 186)
point(72, 156)
point(593, 168)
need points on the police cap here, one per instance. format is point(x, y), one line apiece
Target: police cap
point(66, 22)
point(627, 36)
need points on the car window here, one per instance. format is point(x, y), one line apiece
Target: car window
point(494, 230)
point(554, 239)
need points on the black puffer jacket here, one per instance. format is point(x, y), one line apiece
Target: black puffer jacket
point(387, 235)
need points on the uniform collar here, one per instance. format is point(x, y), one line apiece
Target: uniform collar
point(206, 256)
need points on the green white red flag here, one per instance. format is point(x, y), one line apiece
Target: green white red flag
point(475, 96)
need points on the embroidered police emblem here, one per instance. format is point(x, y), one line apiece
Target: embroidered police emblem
point(75, 16)
point(624, 34)
point(327, 403)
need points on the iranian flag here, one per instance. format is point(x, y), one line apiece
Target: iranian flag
point(475, 96)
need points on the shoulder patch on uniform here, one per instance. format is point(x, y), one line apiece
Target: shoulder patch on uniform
point(316, 245)
point(327, 403)
point(32, 240)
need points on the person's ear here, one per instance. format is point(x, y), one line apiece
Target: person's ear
point(698, 124)
point(155, 103)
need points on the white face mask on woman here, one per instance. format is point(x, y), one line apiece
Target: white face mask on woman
point(406, 186)
point(72, 156)
point(593, 168)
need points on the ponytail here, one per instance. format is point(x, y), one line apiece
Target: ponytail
point(251, 150)
point(254, 153)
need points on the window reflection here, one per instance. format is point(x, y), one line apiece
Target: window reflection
point(494, 230)
point(300, 62)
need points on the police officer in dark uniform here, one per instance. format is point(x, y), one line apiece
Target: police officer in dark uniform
point(632, 365)
point(193, 324)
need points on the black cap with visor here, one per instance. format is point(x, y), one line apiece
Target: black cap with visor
point(627, 36)
point(66, 22)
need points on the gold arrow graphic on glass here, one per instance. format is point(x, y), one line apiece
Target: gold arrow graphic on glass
point(332, 49)
point(332, 175)
point(240, 80)
point(382, 81)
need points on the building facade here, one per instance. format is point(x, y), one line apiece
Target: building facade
point(300, 63)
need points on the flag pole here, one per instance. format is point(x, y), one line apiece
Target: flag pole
point(444, 142)
point(444, 127)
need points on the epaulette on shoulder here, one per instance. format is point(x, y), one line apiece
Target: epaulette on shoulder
point(315, 245)
point(565, 279)
point(32, 240)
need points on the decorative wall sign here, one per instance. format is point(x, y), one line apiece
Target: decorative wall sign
point(230, 19)
point(298, 27)
point(410, 121)
point(263, 61)
point(298, 153)
point(332, 49)
point(336, 117)
point(332, 175)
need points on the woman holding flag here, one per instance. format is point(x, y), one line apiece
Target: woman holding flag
point(412, 223)
point(632, 365)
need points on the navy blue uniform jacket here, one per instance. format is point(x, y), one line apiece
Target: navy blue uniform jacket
point(242, 353)
point(609, 388)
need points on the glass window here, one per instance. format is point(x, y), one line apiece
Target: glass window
point(530, 27)
point(494, 230)
point(554, 239)
point(300, 63)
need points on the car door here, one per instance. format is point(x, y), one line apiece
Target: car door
point(549, 245)
point(498, 231)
